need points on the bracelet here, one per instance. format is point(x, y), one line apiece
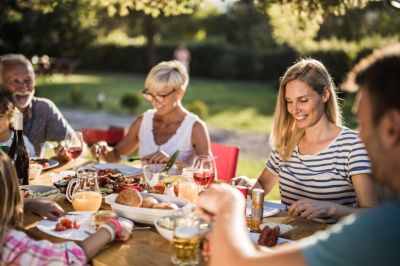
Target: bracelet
point(110, 230)
point(117, 225)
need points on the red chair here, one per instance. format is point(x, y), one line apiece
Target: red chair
point(226, 160)
point(112, 135)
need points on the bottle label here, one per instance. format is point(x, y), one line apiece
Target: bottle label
point(18, 120)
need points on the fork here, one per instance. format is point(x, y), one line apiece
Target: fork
point(129, 159)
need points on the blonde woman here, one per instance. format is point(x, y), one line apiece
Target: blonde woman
point(159, 132)
point(321, 166)
point(16, 248)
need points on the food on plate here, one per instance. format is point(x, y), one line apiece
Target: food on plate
point(130, 197)
point(148, 202)
point(30, 194)
point(114, 181)
point(62, 183)
point(165, 206)
point(42, 161)
point(65, 223)
point(100, 217)
point(269, 236)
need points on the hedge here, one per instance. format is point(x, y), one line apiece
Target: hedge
point(213, 60)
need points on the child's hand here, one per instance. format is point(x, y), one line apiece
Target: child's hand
point(45, 208)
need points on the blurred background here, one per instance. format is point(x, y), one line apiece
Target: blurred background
point(92, 56)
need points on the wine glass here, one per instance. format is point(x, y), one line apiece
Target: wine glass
point(204, 171)
point(74, 146)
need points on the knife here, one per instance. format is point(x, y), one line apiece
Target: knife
point(170, 162)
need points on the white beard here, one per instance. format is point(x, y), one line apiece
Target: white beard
point(22, 102)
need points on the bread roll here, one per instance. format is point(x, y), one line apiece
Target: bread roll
point(100, 217)
point(130, 197)
point(148, 202)
point(165, 206)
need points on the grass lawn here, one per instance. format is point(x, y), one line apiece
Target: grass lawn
point(232, 104)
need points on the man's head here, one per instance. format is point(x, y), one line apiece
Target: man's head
point(17, 78)
point(377, 77)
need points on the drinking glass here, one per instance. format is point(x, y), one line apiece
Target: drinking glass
point(204, 171)
point(186, 239)
point(74, 146)
point(187, 187)
point(84, 191)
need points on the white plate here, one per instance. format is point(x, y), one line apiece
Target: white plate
point(283, 228)
point(255, 236)
point(145, 215)
point(83, 219)
point(52, 163)
point(42, 189)
point(125, 169)
point(267, 212)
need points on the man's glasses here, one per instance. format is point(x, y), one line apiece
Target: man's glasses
point(159, 98)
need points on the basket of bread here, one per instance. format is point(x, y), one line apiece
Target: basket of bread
point(144, 207)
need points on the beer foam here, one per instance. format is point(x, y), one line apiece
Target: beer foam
point(186, 231)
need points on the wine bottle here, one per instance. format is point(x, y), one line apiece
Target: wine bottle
point(18, 152)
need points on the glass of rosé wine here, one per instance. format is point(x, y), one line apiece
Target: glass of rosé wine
point(74, 146)
point(204, 171)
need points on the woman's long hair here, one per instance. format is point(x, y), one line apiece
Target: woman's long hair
point(285, 135)
point(11, 212)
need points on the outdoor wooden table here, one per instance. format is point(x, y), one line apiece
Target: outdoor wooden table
point(145, 247)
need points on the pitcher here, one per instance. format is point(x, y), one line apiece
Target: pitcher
point(84, 191)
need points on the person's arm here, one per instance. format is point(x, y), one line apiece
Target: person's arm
point(230, 241)
point(44, 208)
point(93, 244)
point(310, 209)
point(125, 147)
point(201, 139)
point(266, 181)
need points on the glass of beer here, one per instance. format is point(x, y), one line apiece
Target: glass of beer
point(186, 240)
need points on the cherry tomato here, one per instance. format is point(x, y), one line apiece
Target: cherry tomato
point(75, 225)
point(60, 227)
point(159, 187)
point(66, 222)
point(176, 189)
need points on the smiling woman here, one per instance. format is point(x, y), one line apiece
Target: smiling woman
point(159, 132)
point(322, 168)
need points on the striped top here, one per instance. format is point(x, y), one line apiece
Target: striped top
point(325, 175)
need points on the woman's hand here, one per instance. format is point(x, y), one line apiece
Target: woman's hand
point(98, 148)
point(311, 209)
point(220, 200)
point(241, 181)
point(156, 157)
point(44, 208)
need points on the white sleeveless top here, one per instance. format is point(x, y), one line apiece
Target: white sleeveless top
point(182, 139)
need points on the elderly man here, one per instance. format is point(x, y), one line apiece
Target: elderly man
point(42, 119)
point(368, 238)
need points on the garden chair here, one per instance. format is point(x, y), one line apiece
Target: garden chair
point(226, 160)
point(112, 135)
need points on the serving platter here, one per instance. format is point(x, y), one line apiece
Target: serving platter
point(146, 215)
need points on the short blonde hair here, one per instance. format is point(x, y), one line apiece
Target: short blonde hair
point(11, 213)
point(167, 75)
point(285, 135)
